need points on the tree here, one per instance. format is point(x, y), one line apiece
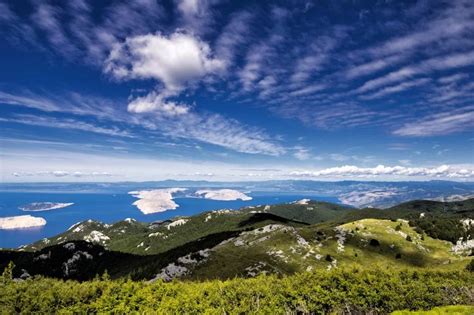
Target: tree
point(7, 274)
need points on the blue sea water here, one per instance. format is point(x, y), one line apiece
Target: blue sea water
point(110, 207)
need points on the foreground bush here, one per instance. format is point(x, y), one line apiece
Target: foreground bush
point(319, 292)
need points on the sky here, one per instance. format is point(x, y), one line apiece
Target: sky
point(236, 90)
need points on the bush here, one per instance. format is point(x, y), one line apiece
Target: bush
point(321, 292)
point(408, 238)
point(470, 266)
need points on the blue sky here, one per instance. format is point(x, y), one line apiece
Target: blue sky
point(236, 90)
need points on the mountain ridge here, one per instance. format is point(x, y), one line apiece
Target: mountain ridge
point(282, 239)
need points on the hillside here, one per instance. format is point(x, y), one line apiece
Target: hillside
point(282, 239)
point(146, 239)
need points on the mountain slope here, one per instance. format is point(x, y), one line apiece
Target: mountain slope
point(250, 241)
point(366, 243)
point(146, 239)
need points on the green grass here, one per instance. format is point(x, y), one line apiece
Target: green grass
point(281, 251)
point(452, 309)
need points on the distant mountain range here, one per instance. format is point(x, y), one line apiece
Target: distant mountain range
point(279, 239)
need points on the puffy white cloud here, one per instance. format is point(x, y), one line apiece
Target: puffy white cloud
point(176, 61)
point(444, 171)
point(173, 59)
point(157, 102)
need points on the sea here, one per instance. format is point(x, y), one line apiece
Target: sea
point(111, 206)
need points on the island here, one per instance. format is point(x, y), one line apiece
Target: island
point(223, 195)
point(21, 222)
point(45, 206)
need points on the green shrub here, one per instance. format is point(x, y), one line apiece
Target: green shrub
point(470, 266)
point(318, 292)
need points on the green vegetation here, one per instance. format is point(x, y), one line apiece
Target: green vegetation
point(452, 309)
point(255, 240)
point(292, 258)
point(313, 212)
point(316, 292)
point(140, 238)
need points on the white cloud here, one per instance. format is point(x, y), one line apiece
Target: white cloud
point(233, 36)
point(196, 15)
point(372, 66)
point(439, 123)
point(190, 7)
point(218, 130)
point(66, 123)
point(443, 171)
point(47, 17)
point(428, 66)
point(338, 157)
point(453, 78)
point(307, 90)
point(173, 60)
point(397, 88)
point(316, 55)
point(177, 61)
point(71, 103)
point(173, 119)
point(158, 104)
point(62, 174)
point(302, 153)
point(454, 21)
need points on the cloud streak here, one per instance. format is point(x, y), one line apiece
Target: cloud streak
point(443, 171)
point(439, 124)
